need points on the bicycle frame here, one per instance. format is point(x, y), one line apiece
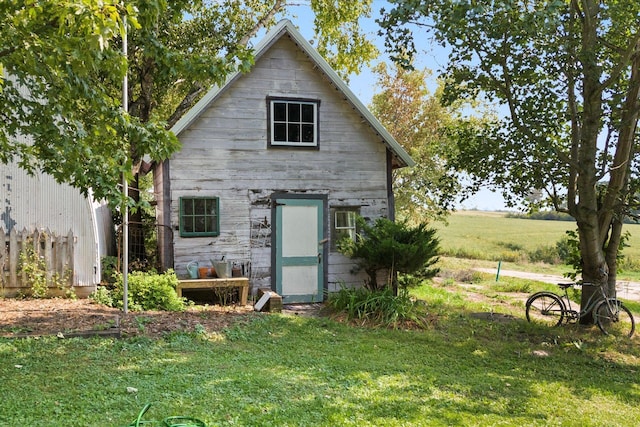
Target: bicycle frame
point(594, 299)
point(609, 314)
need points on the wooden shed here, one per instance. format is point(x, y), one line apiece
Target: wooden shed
point(274, 166)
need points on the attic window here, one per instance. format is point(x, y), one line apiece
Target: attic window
point(293, 122)
point(199, 216)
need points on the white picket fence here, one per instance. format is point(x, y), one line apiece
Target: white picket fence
point(55, 250)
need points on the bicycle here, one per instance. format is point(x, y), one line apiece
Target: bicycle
point(610, 314)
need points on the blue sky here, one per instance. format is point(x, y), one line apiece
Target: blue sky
point(429, 56)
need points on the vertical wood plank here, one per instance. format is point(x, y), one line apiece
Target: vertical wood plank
point(59, 254)
point(48, 255)
point(14, 250)
point(70, 251)
point(4, 260)
point(23, 242)
point(35, 240)
point(56, 251)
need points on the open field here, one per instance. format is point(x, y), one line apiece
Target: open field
point(493, 236)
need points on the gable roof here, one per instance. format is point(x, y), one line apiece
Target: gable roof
point(402, 158)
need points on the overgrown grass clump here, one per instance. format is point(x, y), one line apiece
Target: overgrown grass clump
point(380, 307)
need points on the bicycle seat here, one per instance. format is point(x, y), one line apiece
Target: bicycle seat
point(567, 285)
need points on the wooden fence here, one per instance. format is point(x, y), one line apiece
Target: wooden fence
point(55, 252)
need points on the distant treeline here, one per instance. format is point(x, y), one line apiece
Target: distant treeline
point(554, 216)
point(542, 215)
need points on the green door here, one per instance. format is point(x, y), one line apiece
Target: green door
point(299, 244)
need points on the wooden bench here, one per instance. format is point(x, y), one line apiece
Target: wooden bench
point(231, 282)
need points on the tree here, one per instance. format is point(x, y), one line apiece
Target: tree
point(394, 247)
point(68, 59)
point(59, 114)
point(417, 120)
point(569, 74)
point(189, 45)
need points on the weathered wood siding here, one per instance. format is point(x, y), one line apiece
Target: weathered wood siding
point(225, 155)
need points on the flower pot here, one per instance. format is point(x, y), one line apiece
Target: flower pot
point(203, 272)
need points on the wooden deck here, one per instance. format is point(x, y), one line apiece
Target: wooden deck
point(231, 282)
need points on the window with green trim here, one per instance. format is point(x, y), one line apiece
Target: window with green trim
point(199, 216)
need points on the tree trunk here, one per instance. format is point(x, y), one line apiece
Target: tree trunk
point(594, 269)
point(612, 209)
point(612, 255)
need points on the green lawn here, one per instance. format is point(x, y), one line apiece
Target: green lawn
point(278, 370)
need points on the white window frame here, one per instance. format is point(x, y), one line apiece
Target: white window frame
point(272, 101)
point(350, 228)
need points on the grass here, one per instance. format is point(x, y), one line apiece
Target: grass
point(461, 270)
point(478, 234)
point(492, 237)
point(278, 370)
point(477, 363)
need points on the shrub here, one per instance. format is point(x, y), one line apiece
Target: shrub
point(102, 295)
point(109, 266)
point(628, 264)
point(149, 291)
point(34, 268)
point(569, 251)
point(543, 215)
point(465, 253)
point(410, 281)
point(547, 254)
point(392, 246)
point(468, 276)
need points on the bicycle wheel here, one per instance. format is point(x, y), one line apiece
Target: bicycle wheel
point(613, 318)
point(546, 308)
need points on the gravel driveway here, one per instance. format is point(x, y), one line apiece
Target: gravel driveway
point(626, 290)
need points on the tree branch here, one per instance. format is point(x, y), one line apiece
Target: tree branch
point(185, 104)
point(197, 88)
point(626, 136)
point(277, 7)
point(7, 51)
point(632, 49)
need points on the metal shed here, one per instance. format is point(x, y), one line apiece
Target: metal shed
point(39, 203)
